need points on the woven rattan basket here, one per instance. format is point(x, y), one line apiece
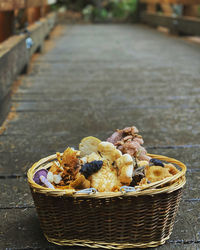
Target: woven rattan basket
point(112, 220)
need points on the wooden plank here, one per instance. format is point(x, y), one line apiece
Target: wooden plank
point(167, 9)
point(34, 10)
point(8, 5)
point(46, 6)
point(151, 8)
point(45, 10)
point(33, 14)
point(34, 3)
point(186, 2)
point(179, 25)
point(6, 24)
point(191, 10)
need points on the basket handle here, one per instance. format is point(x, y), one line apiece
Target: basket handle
point(127, 189)
point(87, 191)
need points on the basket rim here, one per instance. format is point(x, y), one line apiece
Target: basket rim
point(105, 245)
point(149, 189)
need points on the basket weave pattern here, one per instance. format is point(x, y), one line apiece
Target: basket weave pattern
point(110, 220)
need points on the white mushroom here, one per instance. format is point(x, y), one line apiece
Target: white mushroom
point(125, 166)
point(109, 151)
point(57, 178)
point(50, 176)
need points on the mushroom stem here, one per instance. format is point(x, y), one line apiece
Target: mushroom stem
point(46, 182)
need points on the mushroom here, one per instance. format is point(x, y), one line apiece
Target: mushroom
point(40, 177)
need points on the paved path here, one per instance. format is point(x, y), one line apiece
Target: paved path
point(96, 79)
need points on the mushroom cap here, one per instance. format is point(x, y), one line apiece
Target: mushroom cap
point(41, 172)
point(109, 151)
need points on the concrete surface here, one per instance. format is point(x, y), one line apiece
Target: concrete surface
point(14, 56)
point(98, 78)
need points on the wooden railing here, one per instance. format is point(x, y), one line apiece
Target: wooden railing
point(180, 16)
point(189, 7)
point(22, 11)
point(187, 2)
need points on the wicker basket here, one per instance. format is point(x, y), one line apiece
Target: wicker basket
point(112, 220)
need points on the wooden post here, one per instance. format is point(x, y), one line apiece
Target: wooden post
point(191, 7)
point(33, 14)
point(191, 10)
point(45, 8)
point(151, 7)
point(167, 9)
point(6, 24)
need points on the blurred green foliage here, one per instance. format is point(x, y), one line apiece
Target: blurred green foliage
point(199, 10)
point(74, 5)
point(123, 8)
point(102, 10)
point(110, 10)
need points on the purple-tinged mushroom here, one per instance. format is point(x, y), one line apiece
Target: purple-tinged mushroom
point(46, 182)
point(40, 177)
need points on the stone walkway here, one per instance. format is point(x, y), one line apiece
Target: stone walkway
point(96, 79)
